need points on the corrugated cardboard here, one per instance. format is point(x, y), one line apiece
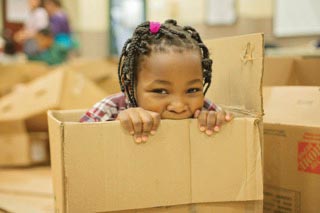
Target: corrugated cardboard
point(97, 167)
point(14, 143)
point(58, 90)
point(303, 71)
point(104, 72)
point(21, 148)
point(28, 105)
point(179, 165)
point(237, 72)
point(12, 74)
point(292, 149)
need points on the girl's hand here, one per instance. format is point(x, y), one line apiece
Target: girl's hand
point(211, 121)
point(139, 122)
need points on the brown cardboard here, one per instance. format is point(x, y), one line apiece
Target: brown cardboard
point(21, 148)
point(303, 71)
point(178, 169)
point(292, 149)
point(58, 90)
point(28, 105)
point(104, 72)
point(27, 190)
point(237, 72)
point(13, 74)
point(178, 165)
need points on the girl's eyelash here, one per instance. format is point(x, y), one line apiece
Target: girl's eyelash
point(160, 91)
point(193, 90)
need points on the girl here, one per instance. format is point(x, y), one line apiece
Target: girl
point(164, 72)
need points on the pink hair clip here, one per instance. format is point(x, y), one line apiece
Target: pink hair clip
point(154, 27)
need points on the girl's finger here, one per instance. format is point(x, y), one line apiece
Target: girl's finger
point(211, 122)
point(196, 113)
point(137, 125)
point(220, 120)
point(156, 122)
point(147, 124)
point(202, 120)
point(125, 122)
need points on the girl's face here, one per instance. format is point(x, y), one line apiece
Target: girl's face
point(171, 84)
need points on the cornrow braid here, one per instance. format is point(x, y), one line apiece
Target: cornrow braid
point(143, 42)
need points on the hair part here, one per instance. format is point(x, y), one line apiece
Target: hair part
point(169, 37)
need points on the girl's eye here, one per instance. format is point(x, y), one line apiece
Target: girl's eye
point(193, 90)
point(160, 91)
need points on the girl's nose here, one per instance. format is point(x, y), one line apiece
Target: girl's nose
point(177, 106)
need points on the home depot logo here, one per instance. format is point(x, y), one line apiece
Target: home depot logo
point(309, 154)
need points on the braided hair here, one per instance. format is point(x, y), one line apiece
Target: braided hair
point(143, 42)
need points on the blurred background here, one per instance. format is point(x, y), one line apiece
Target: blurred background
point(285, 23)
point(53, 53)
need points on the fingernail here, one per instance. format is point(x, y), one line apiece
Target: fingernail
point(196, 114)
point(216, 128)
point(138, 139)
point(209, 132)
point(144, 138)
point(228, 117)
point(202, 128)
point(153, 132)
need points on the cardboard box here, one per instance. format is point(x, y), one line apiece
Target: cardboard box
point(59, 89)
point(27, 107)
point(104, 72)
point(13, 74)
point(292, 149)
point(21, 148)
point(177, 166)
point(97, 167)
point(280, 71)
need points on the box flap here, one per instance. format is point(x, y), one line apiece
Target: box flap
point(280, 71)
point(299, 105)
point(237, 72)
point(308, 71)
point(16, 73)
point(58, 90)
point(102, 68)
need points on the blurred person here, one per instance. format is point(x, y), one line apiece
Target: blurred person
point(8, 45)
point(50, 51)
point(37, 19)
point(58, 19)
point(59, 23)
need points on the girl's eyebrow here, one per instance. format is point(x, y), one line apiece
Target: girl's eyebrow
point(194, 81)
point(161, 82)
point(169, 83)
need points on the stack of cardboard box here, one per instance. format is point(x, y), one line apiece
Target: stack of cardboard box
point(292, 134)
point(97, 167)
point(23, 120)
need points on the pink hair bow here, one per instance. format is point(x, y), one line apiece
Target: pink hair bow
point(154, 27)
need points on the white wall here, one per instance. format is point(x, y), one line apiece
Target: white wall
point(255, 8)
point(93, 15)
